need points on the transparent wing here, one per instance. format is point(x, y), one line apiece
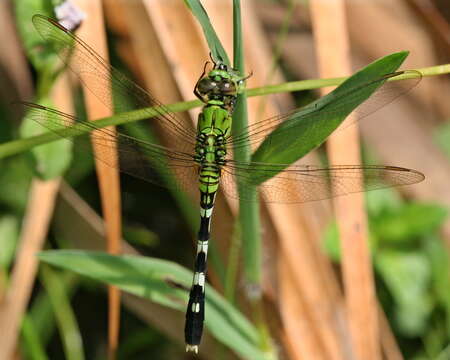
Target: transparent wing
point(150, 162)
point(385, 94)
point(100, 78)
point(303, 183)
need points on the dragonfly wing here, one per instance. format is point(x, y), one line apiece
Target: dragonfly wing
point(150, 162)
point(387, 92)
point(303, 183)
point(102, 79)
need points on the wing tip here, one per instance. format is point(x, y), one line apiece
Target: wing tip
point(41, 17)
point(418, 176)
point(29, 104)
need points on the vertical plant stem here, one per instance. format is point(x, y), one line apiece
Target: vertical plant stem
point(31, 341)
point(248, 210)
point(232, 265)
point(65, 317)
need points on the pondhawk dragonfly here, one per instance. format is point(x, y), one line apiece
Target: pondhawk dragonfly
point(202, 157)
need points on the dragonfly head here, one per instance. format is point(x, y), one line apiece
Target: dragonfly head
point(221, 83)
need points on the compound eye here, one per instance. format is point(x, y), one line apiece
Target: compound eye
point(227, 87)
point(206, 85)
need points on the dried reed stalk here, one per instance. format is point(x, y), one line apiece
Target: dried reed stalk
point(92, 31)
point(333, 50)
point(33, 234)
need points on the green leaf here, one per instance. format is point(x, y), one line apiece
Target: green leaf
point(217, 50)
point(31, 344)
point(440, 268)
point(309, 127)
point(41, 312)
point(407, 275)
point(39, 54)
point(408, 221)
point(51, 160)
point(154, 279)
point(9, 236)
point(15, 179)
point(140, 236)
point(64, 314)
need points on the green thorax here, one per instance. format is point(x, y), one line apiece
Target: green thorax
point(213, 128)
point(218, 89)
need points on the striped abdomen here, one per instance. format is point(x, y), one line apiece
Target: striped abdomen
point(195, 314)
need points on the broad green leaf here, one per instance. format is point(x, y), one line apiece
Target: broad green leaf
point(165, 283)
point(51, 160)
point(309, 127)
point(407, 275)
point(408, 221)
point(217, 50)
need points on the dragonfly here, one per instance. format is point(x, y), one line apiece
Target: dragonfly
point(201, 157)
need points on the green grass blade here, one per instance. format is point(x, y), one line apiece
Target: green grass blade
point(248, 211)
point(153, 279)
point(31, 342)
point(65, 317)
point(41, 313)
point(18, 146)
point(217, 50)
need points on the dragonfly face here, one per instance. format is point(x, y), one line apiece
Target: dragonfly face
point(221, 84)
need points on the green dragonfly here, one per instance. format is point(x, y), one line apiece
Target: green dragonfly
point(200, 158)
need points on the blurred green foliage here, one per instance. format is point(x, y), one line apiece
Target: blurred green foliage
point(412, 267)
point(442, 137)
